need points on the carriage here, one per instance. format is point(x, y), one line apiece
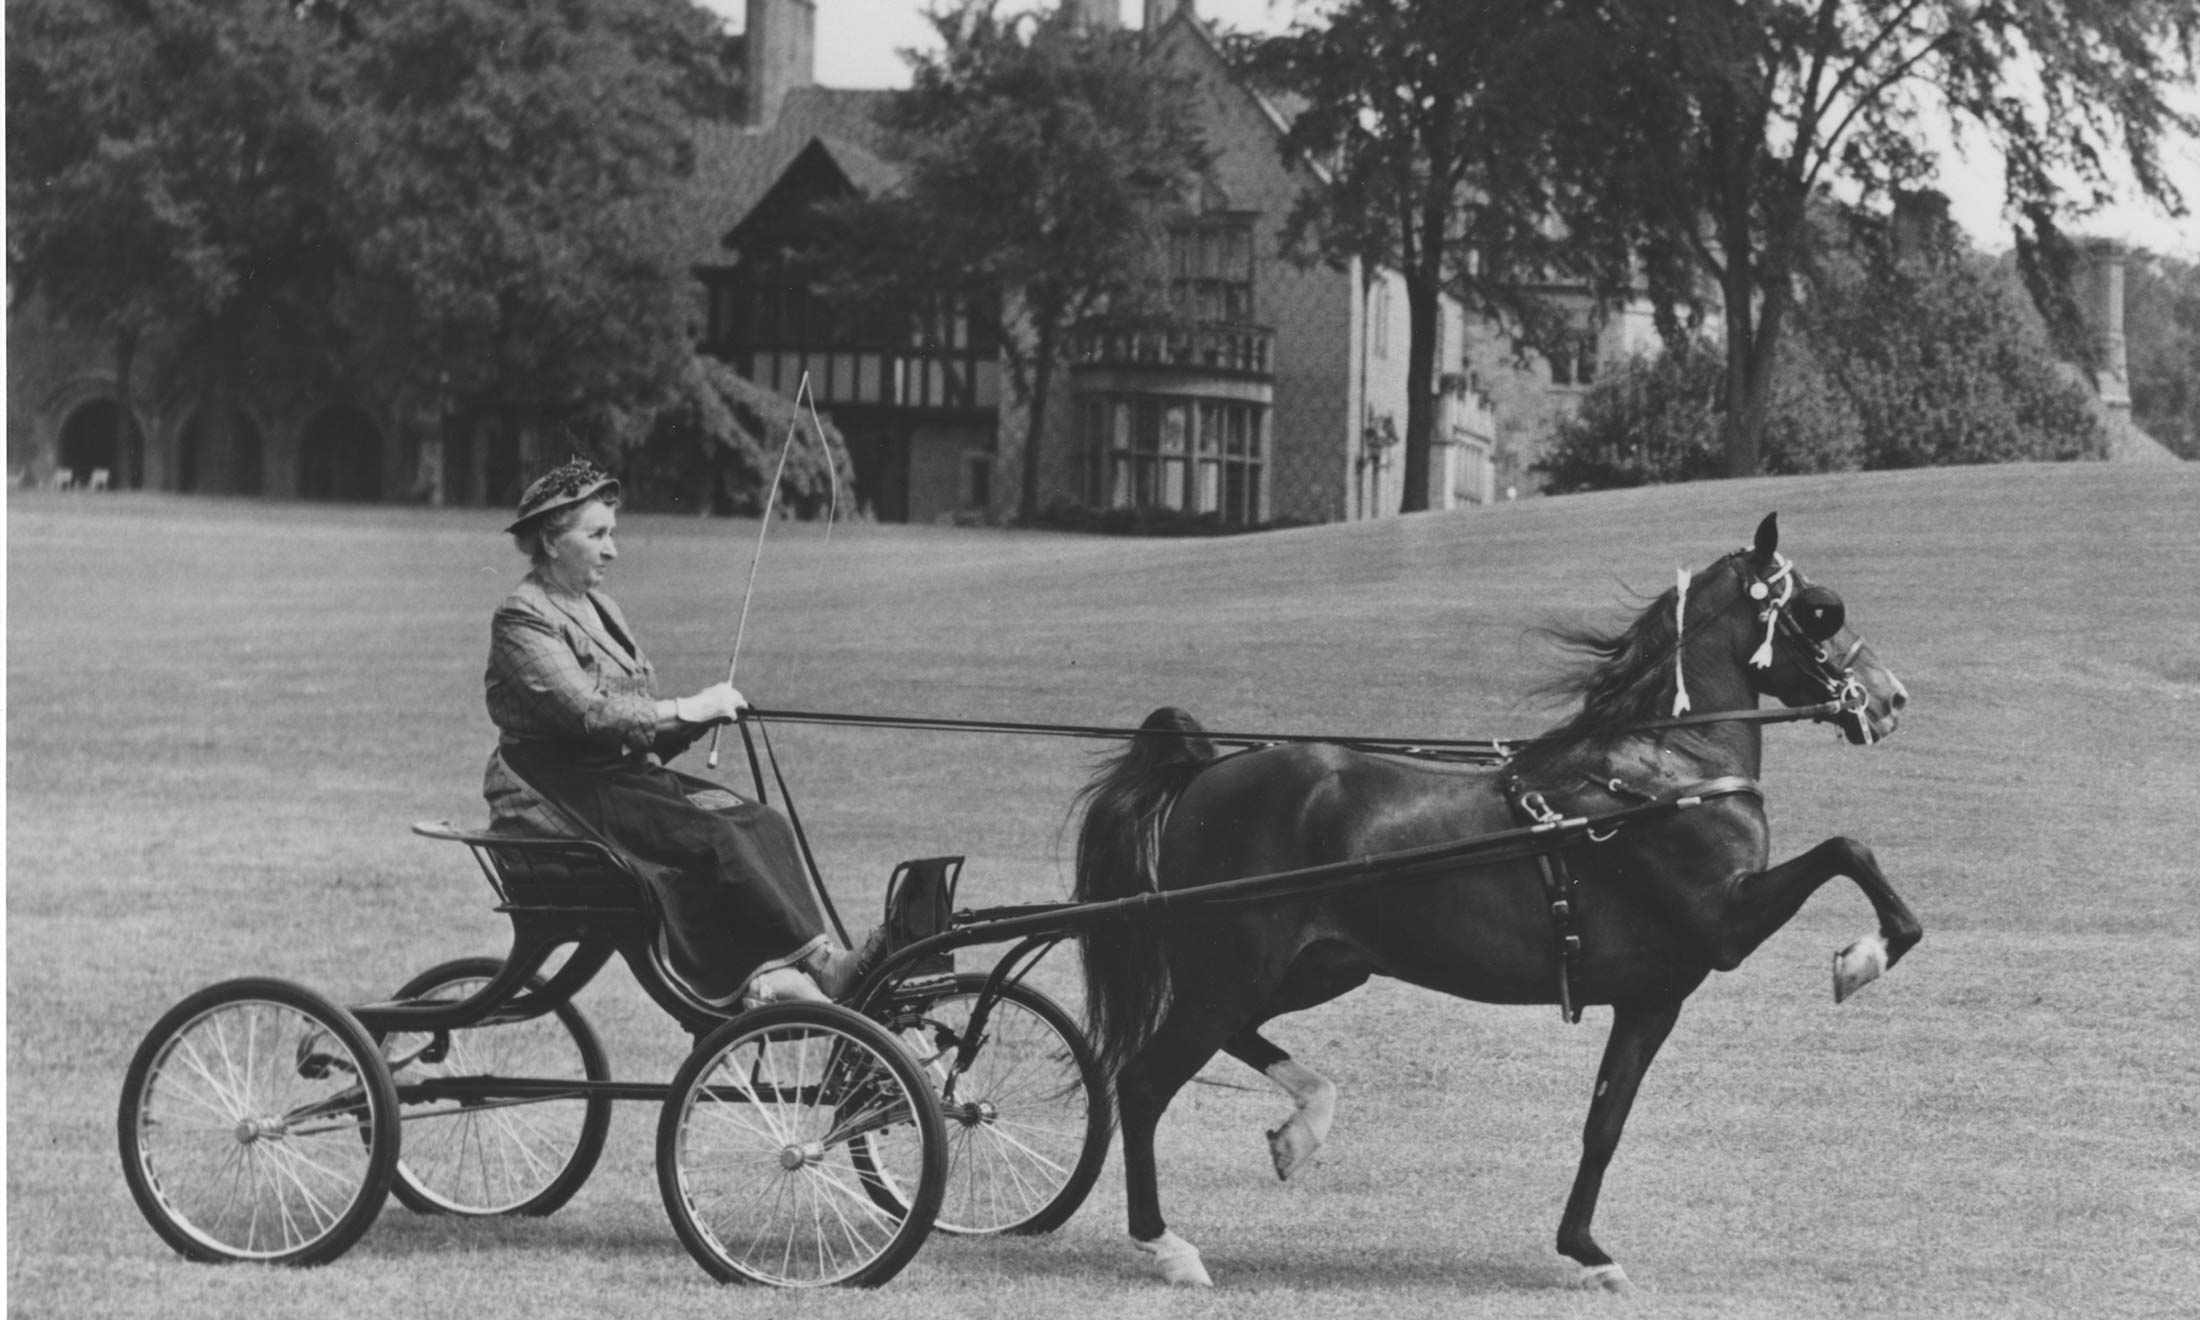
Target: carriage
point(798, 1144)
point(805, 1144)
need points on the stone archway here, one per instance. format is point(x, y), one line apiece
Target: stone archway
point(340, 457)
point(87, 445)
point(189, 444)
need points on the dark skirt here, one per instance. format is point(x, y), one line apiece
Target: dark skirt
point(737, 897)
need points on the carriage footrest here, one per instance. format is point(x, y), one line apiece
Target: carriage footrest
point(920, 903)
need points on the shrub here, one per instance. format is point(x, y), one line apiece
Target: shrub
point(1896, 359)
point(1944, 364)
point(1657, 419)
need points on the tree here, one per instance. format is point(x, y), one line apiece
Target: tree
point(169, 162)
point(515, 172)
point(1038, 155)
point(1434, 123)
point(471, 199)
point(1722, 120)
point(2162, 335)
point(1938, 353)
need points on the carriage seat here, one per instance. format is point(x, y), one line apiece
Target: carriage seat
point(550, 873)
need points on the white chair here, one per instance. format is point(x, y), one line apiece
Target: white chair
point(98, 481)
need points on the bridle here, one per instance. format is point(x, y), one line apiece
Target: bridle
point(1780, 600)
point(1809, 617)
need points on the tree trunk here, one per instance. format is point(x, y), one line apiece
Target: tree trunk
point(1746, 387)
point(1035, 425)
point(1424, 308)
point(1753, 330)
point(219, 425)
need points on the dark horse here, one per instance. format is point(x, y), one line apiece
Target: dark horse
point(1657, 904)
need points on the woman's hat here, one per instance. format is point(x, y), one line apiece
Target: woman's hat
point(563, 487)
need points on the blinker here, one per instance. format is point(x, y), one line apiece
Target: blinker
point(1818, 612)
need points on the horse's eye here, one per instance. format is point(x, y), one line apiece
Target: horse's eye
point(1818, 612)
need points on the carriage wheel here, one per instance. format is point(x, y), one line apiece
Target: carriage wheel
point(258, 1123)
point(495, 1156)
point(1028, 1120)
point(756, 1150)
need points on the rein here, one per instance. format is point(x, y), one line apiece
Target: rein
point(1482, 751)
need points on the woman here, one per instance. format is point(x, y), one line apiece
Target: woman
point(584, 738)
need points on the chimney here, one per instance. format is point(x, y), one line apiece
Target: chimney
point(1094, 15)
point(1921, 226)
point(2103, 294)
point(779, 54)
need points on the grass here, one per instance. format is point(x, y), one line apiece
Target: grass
point(222, 716)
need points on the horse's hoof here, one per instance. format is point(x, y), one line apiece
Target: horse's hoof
point(1291, 1146)
point(1857, 966)
point(1177, 1259)
point(1606, 1278)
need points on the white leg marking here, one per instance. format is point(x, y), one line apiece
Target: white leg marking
point(1315, 1096)
point(1606, 1278)
point(1858, 965)
point(1177, 1260)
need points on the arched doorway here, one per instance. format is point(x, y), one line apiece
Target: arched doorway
point(340, 457)
point(88, 446)
point(190, 444)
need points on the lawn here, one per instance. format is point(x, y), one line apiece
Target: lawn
point(223, 715)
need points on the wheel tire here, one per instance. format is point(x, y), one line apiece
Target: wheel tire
point(258, 1124)
point(769, 1192)
point(503, 1158)
point(1028, 1123)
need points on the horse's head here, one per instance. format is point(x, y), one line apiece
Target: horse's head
point(1805, 652)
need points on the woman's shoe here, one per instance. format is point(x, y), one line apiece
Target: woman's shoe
point(782, 985)
point(839, 970)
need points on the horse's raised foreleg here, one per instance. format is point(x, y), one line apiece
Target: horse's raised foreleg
point(1637, 1032)
point(1313, 1097)
point(1759, 903)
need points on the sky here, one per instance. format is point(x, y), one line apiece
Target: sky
point(859, 44)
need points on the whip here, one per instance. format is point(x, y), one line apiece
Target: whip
point(802, 395)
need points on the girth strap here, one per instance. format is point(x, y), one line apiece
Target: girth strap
point(1558, 895)
point(1558, 890)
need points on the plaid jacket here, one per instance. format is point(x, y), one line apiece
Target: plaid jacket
point(565, 669)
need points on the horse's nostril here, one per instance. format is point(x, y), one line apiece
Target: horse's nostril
point(1901, 699)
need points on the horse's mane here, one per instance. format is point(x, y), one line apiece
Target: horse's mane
point(1623, 678)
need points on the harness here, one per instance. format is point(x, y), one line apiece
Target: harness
point(1561, 832)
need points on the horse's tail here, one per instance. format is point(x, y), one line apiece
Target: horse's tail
point(1118, 855)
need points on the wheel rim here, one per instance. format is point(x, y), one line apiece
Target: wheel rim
point(769, 1140)
point(486, 1157)
point(1017, 1119)
point(254, 1132)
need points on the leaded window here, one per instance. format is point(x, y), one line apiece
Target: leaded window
point(1193, 455)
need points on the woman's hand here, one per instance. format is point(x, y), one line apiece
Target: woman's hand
point(716, 704)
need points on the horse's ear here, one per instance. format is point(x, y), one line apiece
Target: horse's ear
point(1768, 540)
